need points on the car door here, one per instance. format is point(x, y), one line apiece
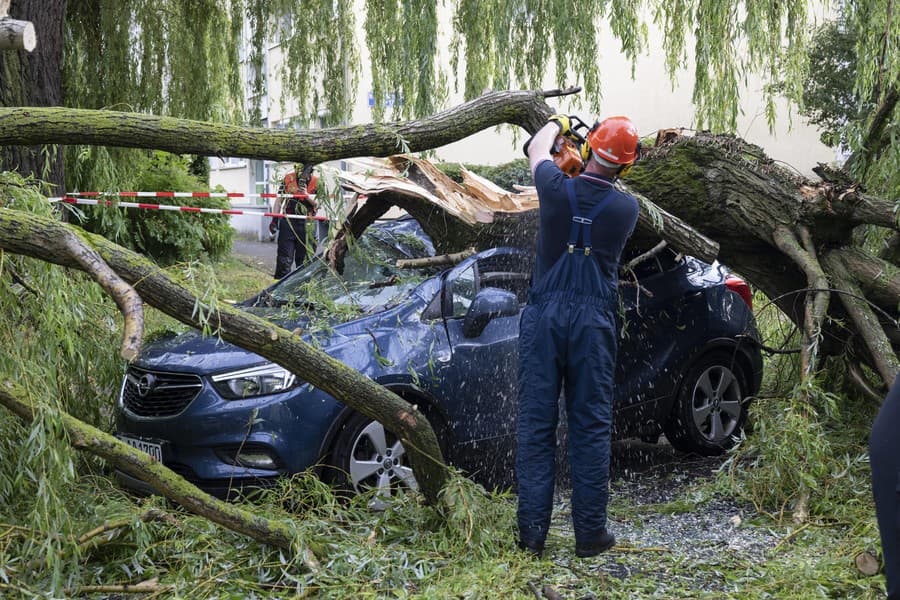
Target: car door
point(480, 378)
point(659, 304)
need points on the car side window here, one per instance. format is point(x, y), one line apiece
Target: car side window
point(661, 262)
point(463, 293)
point(510, 272)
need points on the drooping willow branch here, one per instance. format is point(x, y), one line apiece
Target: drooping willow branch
point(122, 456)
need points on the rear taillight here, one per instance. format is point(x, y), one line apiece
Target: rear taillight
point(740, 287)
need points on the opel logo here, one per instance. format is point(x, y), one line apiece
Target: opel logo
point(146, 384)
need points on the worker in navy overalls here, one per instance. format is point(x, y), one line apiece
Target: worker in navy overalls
point(568, 331)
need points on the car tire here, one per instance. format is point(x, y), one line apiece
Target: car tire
point(710, 407)
point(367, 458)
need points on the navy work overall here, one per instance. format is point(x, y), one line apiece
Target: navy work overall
point(292, 239)
point(567, 334)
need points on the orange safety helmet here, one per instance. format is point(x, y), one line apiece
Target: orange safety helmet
point(291, 186)
point(614, 140)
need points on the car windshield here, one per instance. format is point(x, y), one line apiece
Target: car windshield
point(370, 279)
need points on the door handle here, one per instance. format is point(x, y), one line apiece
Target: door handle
point(442, 356)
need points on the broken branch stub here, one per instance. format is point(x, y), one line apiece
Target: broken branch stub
point(435, 261)
point(17, 35)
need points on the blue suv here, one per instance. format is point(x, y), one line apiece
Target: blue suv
point(445, 339)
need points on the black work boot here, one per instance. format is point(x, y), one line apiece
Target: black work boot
point(534, 551)
point(602, 543)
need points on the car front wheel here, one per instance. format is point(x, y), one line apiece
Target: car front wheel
point(366, 457)
point(710, 409)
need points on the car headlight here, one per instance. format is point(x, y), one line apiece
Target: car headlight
point(257, 381)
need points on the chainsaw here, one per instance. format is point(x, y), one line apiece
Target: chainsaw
point(569, 150)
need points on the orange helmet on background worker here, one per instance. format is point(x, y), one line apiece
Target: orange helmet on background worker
point(292, 184)
point(613, 142)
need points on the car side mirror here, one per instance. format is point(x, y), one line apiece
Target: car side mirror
point(488, 304)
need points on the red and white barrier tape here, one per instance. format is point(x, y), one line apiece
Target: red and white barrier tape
point(193, 209)
point(186, 195)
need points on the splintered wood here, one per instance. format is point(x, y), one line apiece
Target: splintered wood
point(417, 180)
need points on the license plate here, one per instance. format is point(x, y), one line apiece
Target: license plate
point(154, 450)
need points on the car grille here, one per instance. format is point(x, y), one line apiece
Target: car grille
point(155, 394)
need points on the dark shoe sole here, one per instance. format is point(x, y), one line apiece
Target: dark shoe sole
point(530, 550)
point(603, 546)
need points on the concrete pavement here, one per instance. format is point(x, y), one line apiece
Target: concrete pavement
point(260, 255)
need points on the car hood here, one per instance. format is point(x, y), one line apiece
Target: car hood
point(193, 352)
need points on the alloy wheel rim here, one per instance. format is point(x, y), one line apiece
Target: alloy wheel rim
point(716, 403)
point(378, 462)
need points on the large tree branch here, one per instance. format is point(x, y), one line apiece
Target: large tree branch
point(32, 125)
point(731, 192)
point(878, 278)
point(816, 302)
point(31, 235)
point(128, 301)
point(864, 318)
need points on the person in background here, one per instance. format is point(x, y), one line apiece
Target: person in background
point(884, 456)
point(293, 237)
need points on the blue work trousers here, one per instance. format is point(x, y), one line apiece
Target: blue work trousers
point(566, 339)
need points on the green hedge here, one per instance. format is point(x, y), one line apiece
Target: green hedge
point(505, 175)
point(166, 236)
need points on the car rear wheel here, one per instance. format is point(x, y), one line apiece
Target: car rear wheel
point(366, 458)
point(709, 410)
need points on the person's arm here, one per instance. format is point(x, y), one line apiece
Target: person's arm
point(541, 143)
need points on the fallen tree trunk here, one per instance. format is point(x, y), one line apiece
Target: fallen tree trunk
point(776, 229)
point(36, 236)
point(771, 224)
point(781, 231)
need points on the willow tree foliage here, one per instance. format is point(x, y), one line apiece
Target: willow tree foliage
point(206, 59)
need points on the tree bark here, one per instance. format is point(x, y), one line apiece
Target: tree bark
point(33, 79)
point(32, 235)
point(182, 136)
